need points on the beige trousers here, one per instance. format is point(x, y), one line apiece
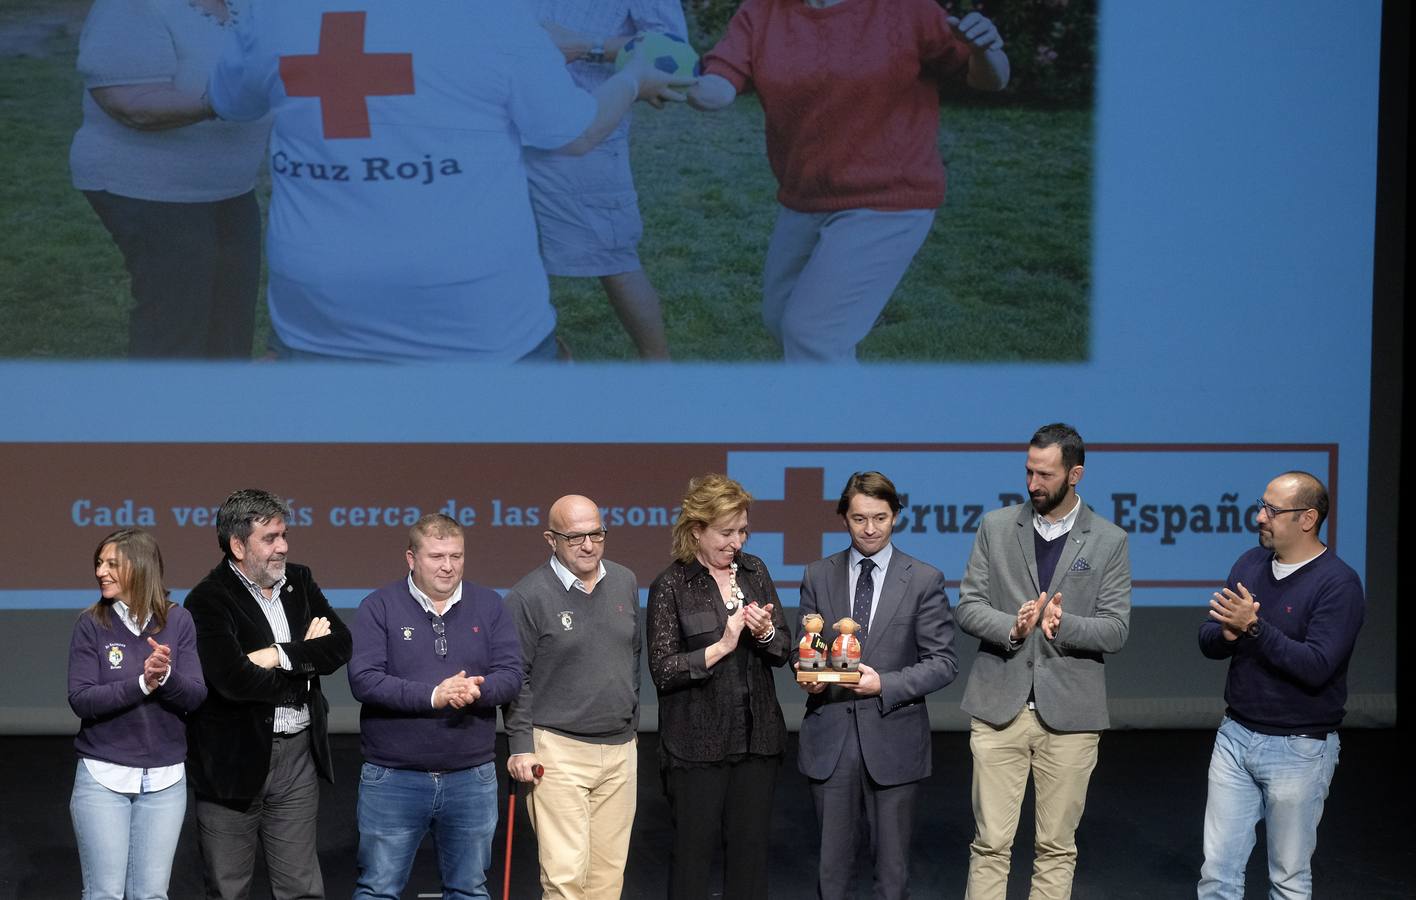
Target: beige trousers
point(1061, 764)
point(583, 811)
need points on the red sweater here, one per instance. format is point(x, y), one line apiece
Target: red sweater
point(851, 98)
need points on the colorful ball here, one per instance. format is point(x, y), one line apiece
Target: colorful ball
point(668, 53)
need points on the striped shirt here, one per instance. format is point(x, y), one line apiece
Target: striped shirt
point(288, 719)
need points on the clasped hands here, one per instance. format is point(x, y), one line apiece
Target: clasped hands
point(1236, 611)
point(457, 690)
point(157, 665)
point(756, 620)
point(1046, 611)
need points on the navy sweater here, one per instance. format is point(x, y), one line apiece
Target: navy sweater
point(1292, 678)
point(395, 668)
point(120, 723)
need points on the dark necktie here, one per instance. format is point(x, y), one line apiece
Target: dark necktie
point(864, 593)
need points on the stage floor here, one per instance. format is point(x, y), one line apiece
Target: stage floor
point(1140, 836)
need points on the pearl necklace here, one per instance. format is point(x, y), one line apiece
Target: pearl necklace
point(735, 594)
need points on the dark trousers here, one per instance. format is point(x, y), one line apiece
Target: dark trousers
point(727, 806)
point(195, 272)
point(845, 802)
point(281, 820)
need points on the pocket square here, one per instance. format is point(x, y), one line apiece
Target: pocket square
point(1081, 565)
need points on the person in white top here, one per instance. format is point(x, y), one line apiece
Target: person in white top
point(587, 211)
point(400, 225)
point(175, 190)
point(133, 677)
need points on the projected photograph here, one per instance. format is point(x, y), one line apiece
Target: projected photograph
point(1127, 237)
point(765, 200)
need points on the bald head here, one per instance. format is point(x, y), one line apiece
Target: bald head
point(573, 529)
point(1290, 515)
point(574, 508)
point(1306, 491)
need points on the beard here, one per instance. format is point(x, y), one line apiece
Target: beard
point(268, 572)
point(1044, 504)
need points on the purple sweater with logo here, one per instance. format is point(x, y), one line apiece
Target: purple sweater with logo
point(120, 723)
point(1292, 678)
point(395, 668)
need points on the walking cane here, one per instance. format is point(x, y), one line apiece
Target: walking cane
point(538, 770)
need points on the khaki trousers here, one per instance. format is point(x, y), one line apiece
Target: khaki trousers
point(583, 811)
point(1061, 764)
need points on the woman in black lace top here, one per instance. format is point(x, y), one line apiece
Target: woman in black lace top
point(716, 631)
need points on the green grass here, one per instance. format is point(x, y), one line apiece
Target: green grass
point(1004, 275)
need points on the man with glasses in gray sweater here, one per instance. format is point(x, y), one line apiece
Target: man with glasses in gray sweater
point(578, 710)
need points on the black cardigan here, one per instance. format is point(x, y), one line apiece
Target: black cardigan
point(710, 715)
point(229, 736)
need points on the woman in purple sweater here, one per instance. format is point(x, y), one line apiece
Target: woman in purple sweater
point(133, 677)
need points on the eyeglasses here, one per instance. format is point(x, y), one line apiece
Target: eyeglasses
point(1274, 511)
point(575, 540)
point(440, 641)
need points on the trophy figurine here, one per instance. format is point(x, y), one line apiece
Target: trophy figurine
point(845, 649)
point(811, 651)
point(842, 666)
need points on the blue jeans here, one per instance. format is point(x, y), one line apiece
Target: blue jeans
point(1282, 780)
point(398, 806)
point(126, 841)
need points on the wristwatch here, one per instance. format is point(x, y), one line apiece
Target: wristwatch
point(1255, 629)
point(596, 53)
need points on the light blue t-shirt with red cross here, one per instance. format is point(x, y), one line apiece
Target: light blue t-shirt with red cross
point(400, 227)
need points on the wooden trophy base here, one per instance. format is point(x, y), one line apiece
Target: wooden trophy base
point(827, 676)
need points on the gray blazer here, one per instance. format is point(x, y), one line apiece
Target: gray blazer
point(1066, 676)
point(910, 643)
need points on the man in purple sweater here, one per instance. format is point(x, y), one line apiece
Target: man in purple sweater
point(1286, 620)
point(433, 658)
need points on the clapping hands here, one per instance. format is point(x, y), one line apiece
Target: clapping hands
point(157, 665)
point(1044, 610)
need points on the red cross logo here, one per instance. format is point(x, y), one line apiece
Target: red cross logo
point(801, 516)
point(342, 75)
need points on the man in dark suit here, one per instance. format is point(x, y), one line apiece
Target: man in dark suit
point(865, 747)
point(258, 745)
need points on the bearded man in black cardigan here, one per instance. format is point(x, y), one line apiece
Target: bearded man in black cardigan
point(260, 742)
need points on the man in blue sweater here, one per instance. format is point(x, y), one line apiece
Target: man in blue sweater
point(433, 658)
point(1286, 620)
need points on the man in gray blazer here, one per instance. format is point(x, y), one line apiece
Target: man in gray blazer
point(1037, 690)
point(865, 747)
